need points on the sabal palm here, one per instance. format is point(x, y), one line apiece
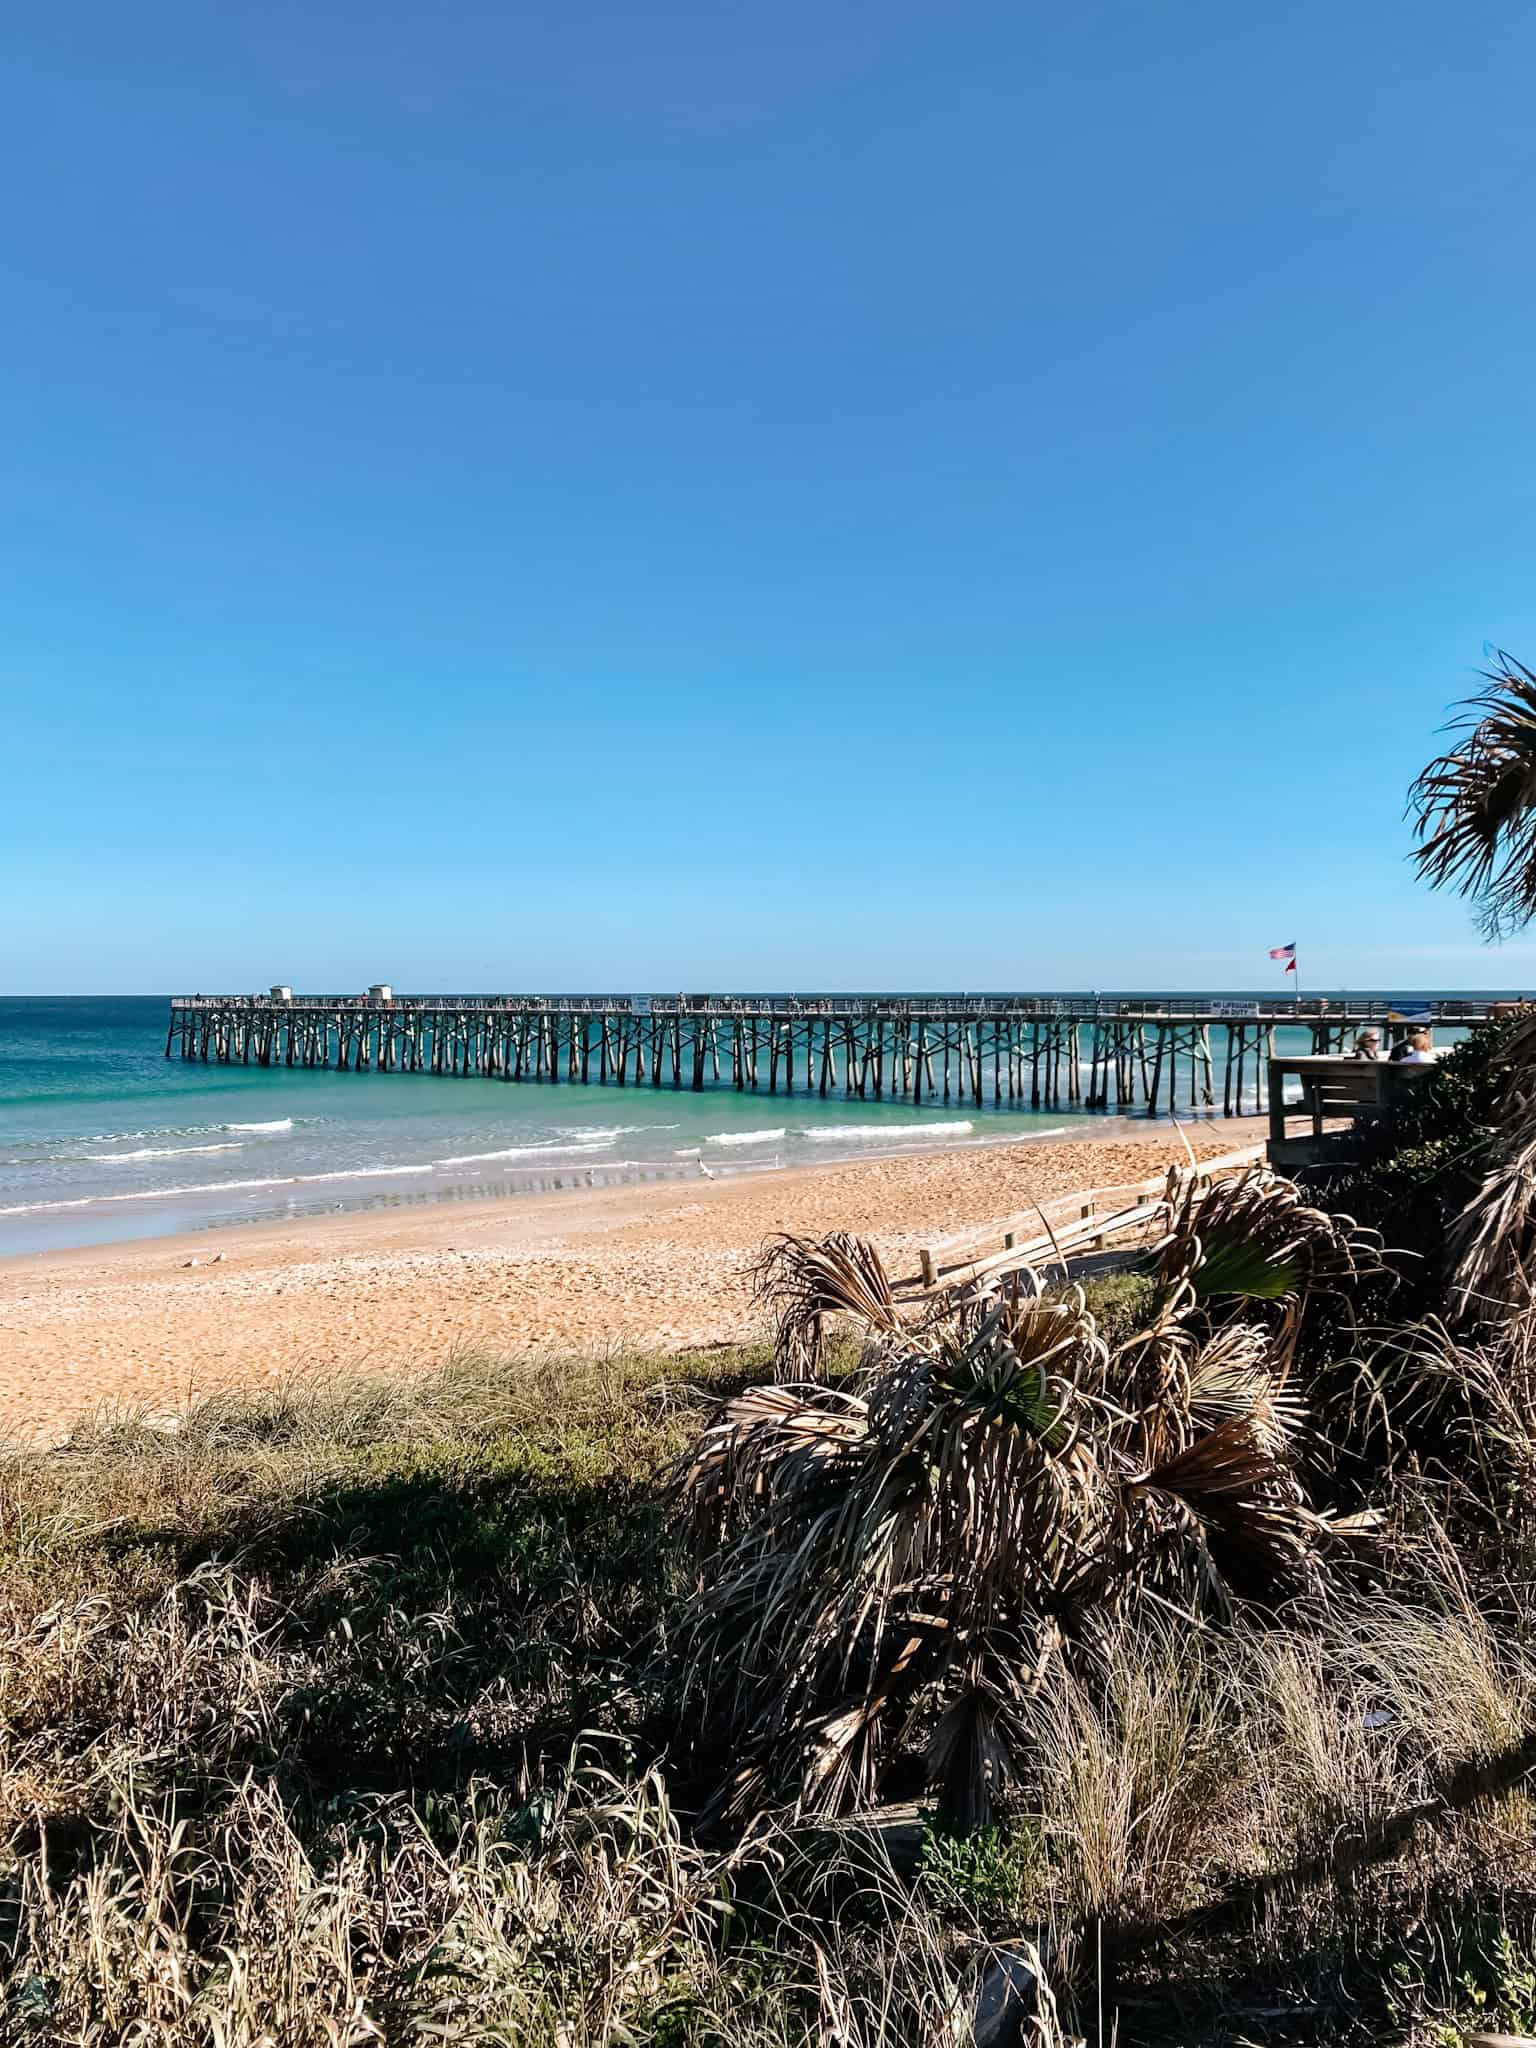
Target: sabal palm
point(918, 1545)
point(1474, 807)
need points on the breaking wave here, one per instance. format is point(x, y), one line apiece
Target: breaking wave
point(881, 1134)
point(595, 1131)
point(526, 1152)
point(155, 1152)
point(216, 1187)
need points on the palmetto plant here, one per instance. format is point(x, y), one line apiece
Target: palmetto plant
point(907, 1555)
point(1474, 806)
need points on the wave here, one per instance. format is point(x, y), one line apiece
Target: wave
point(155, 1152)
point(351, 1173)
point(217, 1187)
point(609, 1130)
point(207, 1187)
point(157, 1131)
point(881, 1134)
point(744, 1137)
point(525, 1152)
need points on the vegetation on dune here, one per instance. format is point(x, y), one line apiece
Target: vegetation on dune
point(927, 1541)
point(371, 1715)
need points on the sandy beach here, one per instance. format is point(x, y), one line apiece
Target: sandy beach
point(151, 1324)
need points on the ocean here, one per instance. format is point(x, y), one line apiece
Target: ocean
point(103, 1138)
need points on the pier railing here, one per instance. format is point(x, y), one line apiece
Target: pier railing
point(1349, 1010)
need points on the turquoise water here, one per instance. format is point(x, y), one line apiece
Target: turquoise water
point(102, 1137)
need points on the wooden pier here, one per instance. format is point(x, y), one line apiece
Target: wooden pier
point(1120, 1056)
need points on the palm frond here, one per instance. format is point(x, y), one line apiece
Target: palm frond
point(780, 1436)
point(1474, 806)
point(1492, 1243)
point(1256, 1237)
point(1249, 1528)
point(981, 1738)
point(806, 1281)
point(1434, 1395)
point(1234, 1375)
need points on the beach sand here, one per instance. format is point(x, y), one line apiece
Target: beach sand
point(151, 1324)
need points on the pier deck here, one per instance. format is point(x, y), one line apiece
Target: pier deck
point(1025, 1052)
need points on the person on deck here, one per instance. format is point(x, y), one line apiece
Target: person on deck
point(1367, 1046)
point(1421, 1049)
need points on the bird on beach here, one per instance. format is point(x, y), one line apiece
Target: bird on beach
point(705, 1171)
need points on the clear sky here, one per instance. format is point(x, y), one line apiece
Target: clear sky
point(603, 496)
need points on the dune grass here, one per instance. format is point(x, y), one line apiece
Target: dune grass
point(352, 1716)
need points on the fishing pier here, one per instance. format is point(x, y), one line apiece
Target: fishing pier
point(1121, 1055)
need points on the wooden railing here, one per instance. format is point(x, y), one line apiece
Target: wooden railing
point(1102, 1213)
point(1086, 1008)
point(1334, 1095)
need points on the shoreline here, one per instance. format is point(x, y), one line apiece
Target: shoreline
point(150, 1323)
point(294, 1201)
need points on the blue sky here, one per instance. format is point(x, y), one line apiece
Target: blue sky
point(602, 496)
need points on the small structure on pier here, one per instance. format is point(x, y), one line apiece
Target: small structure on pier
point(1022, 1052)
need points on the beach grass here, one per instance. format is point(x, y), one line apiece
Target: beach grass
point(351, 1715)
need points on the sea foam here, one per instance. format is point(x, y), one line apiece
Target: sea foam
point(217, 1187)
point(595, 1131)
point(155, 1152)
point(881, 1134)
point(526, 1152)
point(744, 1137)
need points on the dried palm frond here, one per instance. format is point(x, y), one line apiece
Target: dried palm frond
point(1235, 1375)
point(1474, 806)
point(973, 1752)
point(1149, 1371)
point(1010, 1365)
point(1254, 1523)
point(780, 1435)
point(807, 1280)
point(1492, 1243)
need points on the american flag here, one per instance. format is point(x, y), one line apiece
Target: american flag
point(1287, 954)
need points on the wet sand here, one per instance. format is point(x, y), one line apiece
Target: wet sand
point(151, 1324)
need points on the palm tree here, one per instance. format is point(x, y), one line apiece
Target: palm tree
point(918, 1549)
point(1474, 806)
point(1474, 811)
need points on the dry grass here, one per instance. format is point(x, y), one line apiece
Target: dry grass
point(356, 1718)
point(340, 1718)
